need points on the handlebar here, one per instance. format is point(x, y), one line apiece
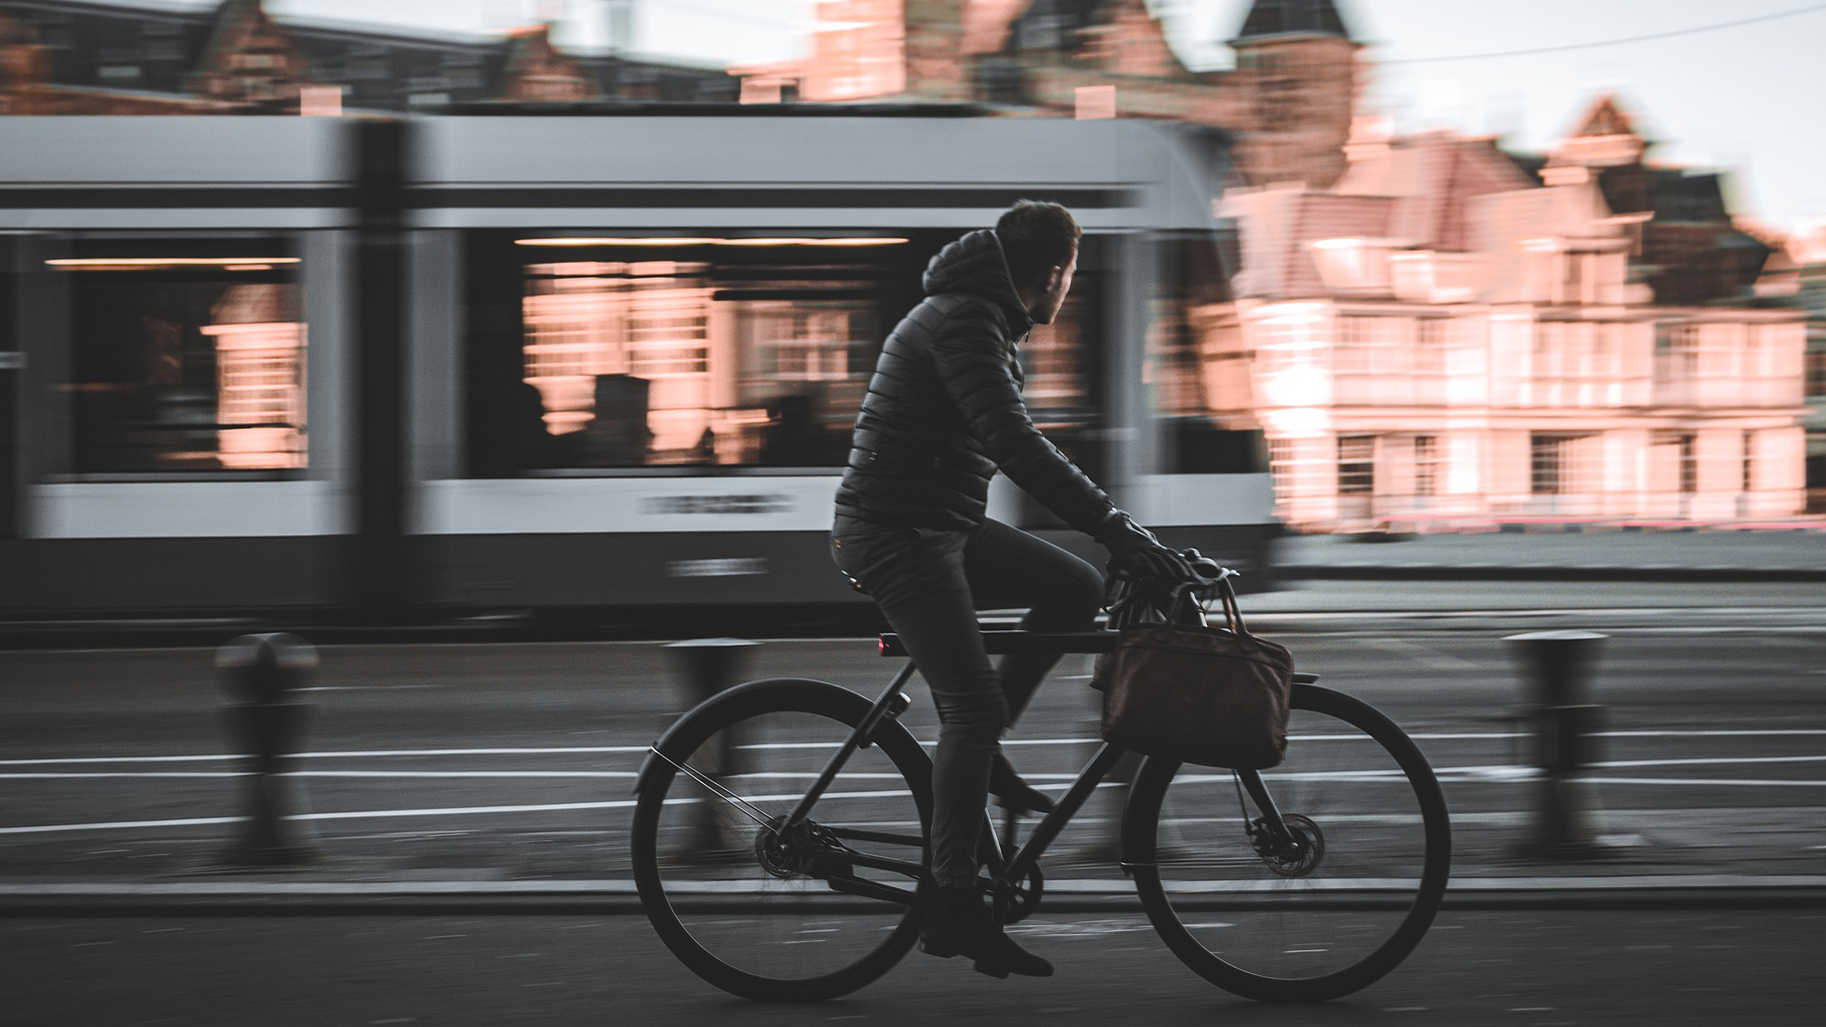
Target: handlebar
point(1132, 598)
point(1207, 574)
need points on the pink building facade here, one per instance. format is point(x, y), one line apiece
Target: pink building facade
point(1445, 340)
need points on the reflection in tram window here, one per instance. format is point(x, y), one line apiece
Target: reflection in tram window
point(648, 363)
point(710, 351)
point(188, 355)
point(608, 353)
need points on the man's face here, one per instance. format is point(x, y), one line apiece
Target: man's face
point(1058, 283)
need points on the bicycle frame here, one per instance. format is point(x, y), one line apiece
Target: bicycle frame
point(1027, 856)
point(1003, 868)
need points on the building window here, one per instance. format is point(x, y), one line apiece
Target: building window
point(1356, 465)
point(1678, 346)
point(1816, 369)
point(1370, 344)
point(1281, 467)
point(1426, 465)
point(1433, 338)
point(1689, 464)
point(1559, 464)
point(1571, 282)
point(1749, 482)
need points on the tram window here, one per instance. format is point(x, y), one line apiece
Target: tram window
point(187, 355)
point(614, 352)
point(716, 350)
point(1197, 382)
point(1201, 447)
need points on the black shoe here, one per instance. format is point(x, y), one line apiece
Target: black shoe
point(1010, 792)
point(958, 924)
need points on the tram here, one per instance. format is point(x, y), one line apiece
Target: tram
point(474, 363)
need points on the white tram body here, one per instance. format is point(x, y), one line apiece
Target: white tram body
point(508, 362)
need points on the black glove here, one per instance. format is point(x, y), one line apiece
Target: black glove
point(1136, 553)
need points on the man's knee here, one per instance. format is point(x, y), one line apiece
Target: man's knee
point(1073, 600)
point(1086, 591)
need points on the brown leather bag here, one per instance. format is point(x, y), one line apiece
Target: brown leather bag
point(1214, 696)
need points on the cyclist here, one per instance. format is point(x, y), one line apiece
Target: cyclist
point(943, 412)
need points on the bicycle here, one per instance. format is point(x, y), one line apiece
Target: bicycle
point(1327, 870)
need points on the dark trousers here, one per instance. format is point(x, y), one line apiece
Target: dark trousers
point(929, 584)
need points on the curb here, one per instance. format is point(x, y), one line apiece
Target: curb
point(1546, 572)
point(578, 897)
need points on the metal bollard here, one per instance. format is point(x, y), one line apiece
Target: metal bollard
point(1557, 666)
point(711, 665)
point(262, 675)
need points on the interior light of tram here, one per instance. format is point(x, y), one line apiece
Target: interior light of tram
point(567, 240)
point(154, 263)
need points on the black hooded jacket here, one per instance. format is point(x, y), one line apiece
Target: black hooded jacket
point(944, 409)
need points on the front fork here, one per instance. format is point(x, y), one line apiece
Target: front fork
point(1268, 829)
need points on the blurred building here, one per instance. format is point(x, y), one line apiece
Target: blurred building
point(1451, 335)
point(1805, 280)
point(95, 57)
point(1288, 102)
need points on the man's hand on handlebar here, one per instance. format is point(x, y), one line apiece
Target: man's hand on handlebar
point(1136, 554)
point(1139, 558)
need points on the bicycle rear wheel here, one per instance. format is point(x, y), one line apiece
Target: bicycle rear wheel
point(772, 914)
point(1314, 923)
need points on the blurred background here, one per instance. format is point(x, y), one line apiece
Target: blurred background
point(487, 344)
point(416, 311)
point(1318, 299)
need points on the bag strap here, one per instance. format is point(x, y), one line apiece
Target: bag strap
point(1232, 612)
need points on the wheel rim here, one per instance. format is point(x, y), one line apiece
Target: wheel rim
point(748, 905)
point(1336, 911)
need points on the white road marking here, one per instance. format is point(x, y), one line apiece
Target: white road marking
point(1425, 655)
point(447, 811)
point(1089, 739)
point(1682, 782)
point(1718, 761)
point(440, 811)
point(162, 774)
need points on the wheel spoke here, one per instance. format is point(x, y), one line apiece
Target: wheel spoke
point(746, 808)
point(756, 906)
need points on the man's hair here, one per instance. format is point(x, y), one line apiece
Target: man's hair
point(1037, 236)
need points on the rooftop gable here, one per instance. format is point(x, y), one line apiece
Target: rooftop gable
point(1605, 117)
point(1292, 17)
point(1433, 177)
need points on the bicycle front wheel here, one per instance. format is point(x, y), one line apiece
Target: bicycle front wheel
point(762, 908)
point(1317, 920)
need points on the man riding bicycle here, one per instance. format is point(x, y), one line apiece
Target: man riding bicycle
point(943, 413)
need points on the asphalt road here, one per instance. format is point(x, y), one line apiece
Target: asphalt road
point(1526, 969)
point(513, 762)
point(510, 765)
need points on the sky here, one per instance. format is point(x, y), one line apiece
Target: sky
point(1745, 99)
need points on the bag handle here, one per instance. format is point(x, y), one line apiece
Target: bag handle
point(1128, 606)
point(1232, 611)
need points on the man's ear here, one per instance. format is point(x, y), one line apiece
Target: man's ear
point(1054, 275)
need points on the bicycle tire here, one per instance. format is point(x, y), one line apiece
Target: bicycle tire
point(685, 914)
point(1344, 926)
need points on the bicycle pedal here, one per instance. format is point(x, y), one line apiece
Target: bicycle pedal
point(999, 973)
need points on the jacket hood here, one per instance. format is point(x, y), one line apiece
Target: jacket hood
point(975, 265)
